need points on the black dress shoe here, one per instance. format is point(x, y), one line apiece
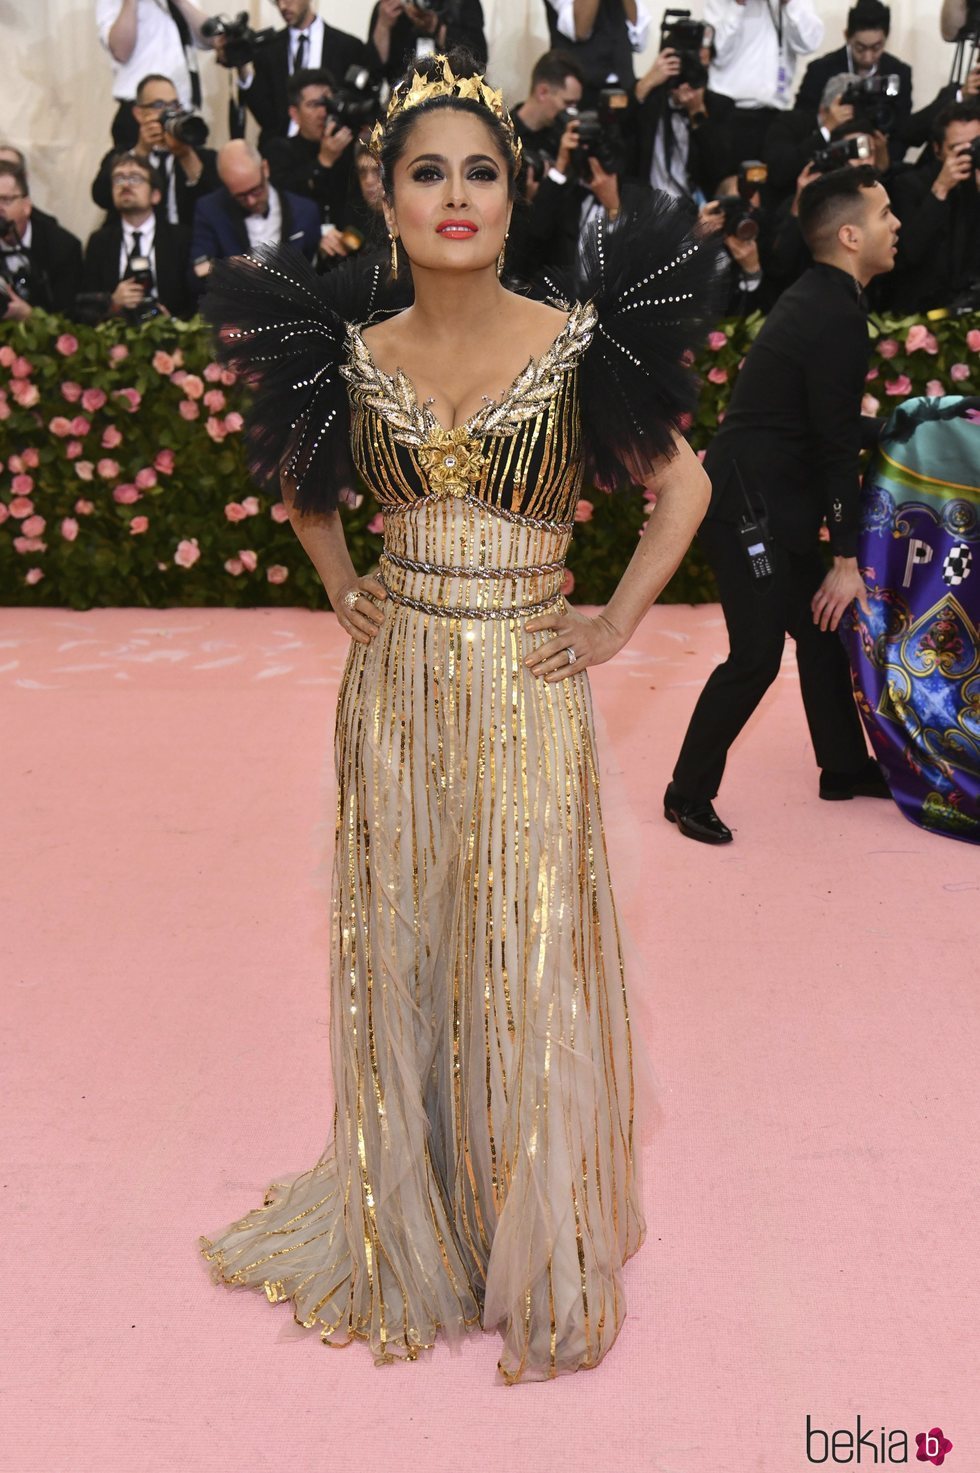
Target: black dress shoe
point(696, 818)
point(867, 782)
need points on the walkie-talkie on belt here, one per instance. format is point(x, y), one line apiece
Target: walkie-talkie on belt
point(753, 530)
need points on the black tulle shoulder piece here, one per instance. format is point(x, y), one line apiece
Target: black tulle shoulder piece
point(282, 328)
point(657, 287)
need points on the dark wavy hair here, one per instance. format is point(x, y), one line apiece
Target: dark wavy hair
point(396, 134)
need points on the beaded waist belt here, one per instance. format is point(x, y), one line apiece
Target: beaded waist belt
point(407, 572)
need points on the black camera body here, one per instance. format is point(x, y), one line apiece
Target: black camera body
point(837, 155)
point(600, 133)
point(873, 98)
point(184, 124)
point(357, 100)
point(138, 270)
point(241, 41)
point(681, 33)
point(739, 218)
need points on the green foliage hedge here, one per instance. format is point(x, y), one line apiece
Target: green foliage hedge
point(123, 481)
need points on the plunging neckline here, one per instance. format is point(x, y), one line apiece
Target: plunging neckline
point(400, 380)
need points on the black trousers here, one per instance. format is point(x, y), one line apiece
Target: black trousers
point(759, 616)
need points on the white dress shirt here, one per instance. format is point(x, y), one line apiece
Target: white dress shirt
point(637, 30)
point(147, 234)
point(158, 48)
point(672, 177)
point(749, 64)
point(265, 228)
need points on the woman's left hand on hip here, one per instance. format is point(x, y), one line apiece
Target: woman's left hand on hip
point(591, 641)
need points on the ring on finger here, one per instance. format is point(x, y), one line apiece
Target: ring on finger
point(351, 597)
point(572, 657)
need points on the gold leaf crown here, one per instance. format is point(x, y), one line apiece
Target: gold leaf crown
point(420, 89)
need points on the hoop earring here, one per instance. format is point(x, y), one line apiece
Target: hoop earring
point(394, 256)
point(500, 258)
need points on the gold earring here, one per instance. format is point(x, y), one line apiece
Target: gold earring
point(503, 250)
point(394, 256)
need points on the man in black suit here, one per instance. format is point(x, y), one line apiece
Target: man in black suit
point(318, 161)
point(306, 41)
point(684, 132)
point(397, 30)
point(137, 261)
point(797, 135)
point(187, 172)
point(862, 55)
point(40, 261)
point(787, 456)
point(939, 206)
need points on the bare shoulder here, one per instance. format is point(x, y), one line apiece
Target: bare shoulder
point(536, 319)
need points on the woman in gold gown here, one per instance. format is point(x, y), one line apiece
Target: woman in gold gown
point(480, 1168)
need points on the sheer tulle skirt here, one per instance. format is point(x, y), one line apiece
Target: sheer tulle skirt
point(481, 1166)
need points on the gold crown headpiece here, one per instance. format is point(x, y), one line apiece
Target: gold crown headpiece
point(419, 90)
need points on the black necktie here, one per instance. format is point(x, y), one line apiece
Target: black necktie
point(137, 245)
point(299, 60)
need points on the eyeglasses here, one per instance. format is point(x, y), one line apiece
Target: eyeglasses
point(245, 195)
point(130, 179)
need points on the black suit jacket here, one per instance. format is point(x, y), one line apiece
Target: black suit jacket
point(294, 167)
point(792, 140)
point(187, 194)
point(56, 264)
point(711, 155)
point(793, 424)
point(266, 99)
point(819, 73)
point(171, 249)
point(463, 28)
point(939, 242)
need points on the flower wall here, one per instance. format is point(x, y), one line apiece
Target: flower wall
point(123, 480)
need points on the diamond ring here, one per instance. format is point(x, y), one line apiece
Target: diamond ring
point(571, 654)
point(350, 599)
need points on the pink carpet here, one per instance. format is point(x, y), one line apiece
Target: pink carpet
point(808, 995)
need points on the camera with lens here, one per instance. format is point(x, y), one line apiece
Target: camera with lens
point(138, 270)
point(184, 124)
point(680, 33)
point(600, 133)
point(873, 98)
point(836, 155)
point(739, 218)
point(975, 151)
point(241, 42)
point(357, 100)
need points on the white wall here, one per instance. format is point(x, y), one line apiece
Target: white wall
point(55, 99)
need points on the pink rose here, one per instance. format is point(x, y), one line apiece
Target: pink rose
point(34, 526)
point(916, 339)
point(16, 464)
point(33, 575)
point(162, 362)
point(227, 377)
point(973, 340)
point(188, 409)
point(187, 552)
point(108, 469)
point(233, 422)
point(235, 512)
point(60, 426)
point(251, 505)
point(887, 348)
point(20, 368)
point(21, 485)
point(249, 559)
point(871, 374)
point(27, 395)
point(215, 428)
point(30, 457)
point(84, 508)
point(870, 405)
point(568, 582)
point(73, 449)
point(583, 510)
point(131, 398)
point(213, 373)
point(80, 425)
point(233, 566)
point(111, 437)
point(702, 454)
point(84, 470)
point(69, 528)
point(718, 375)
point(5, 409)
point(717, 340)
point(93, 399)
point(138, 525)
point(164, 462)
point(146, 478)
point(214, 400)
point(277, 573)
point(193, 386)
point(67, 345)
point(684, 422)
point(118, 353)
point(21, 506)
point(30, 544)
point(7, 356)
point(178, 376)
point(958, 372)
point(4, 513)
point(278, 513)
point(934, 389)
point(898, 387)
point(72, 392)
point(125, 494)
point(376, 524)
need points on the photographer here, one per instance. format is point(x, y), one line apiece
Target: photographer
point(738, 213)
point(757, 43)
point(248, 211)
point(797, 135)
point(170, 138)
point(556, 86)
point(40, 261)
point(683, 130)
point(863, 57)
point(144, 36)
point(398, 30)
point(939, 206)
point(600, 36)
point(786, 457)
point(317, 162)
point(137, 261)
point(305, 43)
